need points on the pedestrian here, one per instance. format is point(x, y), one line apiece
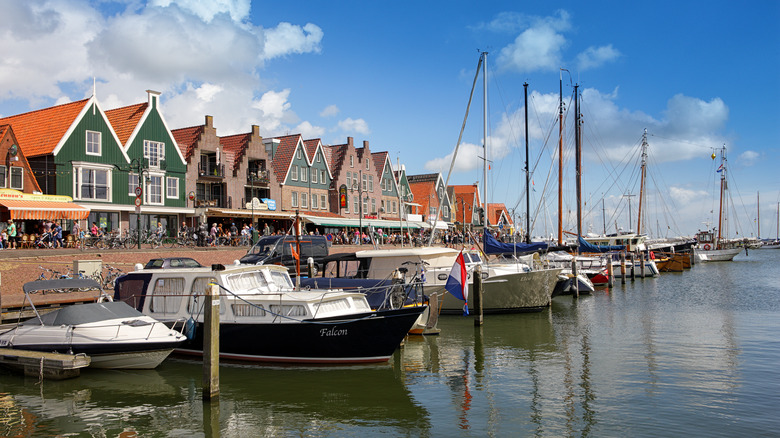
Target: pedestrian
point(93, 230)
point(266, 229)
point(11, 230)
point(57, 231)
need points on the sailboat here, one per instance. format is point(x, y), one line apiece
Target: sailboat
point(712, 247)
point(776, 243)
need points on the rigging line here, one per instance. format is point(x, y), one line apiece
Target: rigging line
point(681, 141)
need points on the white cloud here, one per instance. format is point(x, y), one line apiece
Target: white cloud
point(749, 158)
point(287, 38)
point(594, 57)
point(309, 131)
point(329, 111)
point(350, 125)
point(539, 47)
point(238, 10)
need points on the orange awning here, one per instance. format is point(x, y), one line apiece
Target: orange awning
point(40, 210)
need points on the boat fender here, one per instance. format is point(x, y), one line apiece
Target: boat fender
point(652, 255)
point(707, 247)
point(189, 328)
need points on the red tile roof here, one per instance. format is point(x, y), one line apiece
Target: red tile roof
point(494, 213)
point(235, 146)
point(39, 132)
point(187, 138)
point(125, 119)
point(284, 154)
point(424, 192)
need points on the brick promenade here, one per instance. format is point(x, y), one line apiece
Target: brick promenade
point(19, 266)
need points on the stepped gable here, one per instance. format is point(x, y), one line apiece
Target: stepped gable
point(187, 138)
point(337, 154)
point(284, 154)
point(125, 119)
point(39, 132)
point(235, 146)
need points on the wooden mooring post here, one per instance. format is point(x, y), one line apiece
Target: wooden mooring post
point(211, 344)
point(478, 319)
point(622, 268)
point(633, 266)
point(642, 265)
point(610, 273)
point(574, 272)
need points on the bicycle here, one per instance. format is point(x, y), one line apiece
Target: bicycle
point(109, 280)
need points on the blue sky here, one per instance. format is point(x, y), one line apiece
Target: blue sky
point(697, 75)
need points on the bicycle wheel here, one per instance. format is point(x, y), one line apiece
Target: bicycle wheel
point(169, 242)
point(223, 241)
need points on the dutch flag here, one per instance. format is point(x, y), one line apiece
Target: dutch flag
point(457, 283)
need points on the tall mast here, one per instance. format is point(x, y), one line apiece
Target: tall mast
point(723, 187)
point(560, 159)
point(527, 174)
point(578, 158)
point(642, 182)
point(758, 213)
point(484, 139)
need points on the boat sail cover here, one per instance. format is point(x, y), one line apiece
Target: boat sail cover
point(493, 246)
point(585, 246)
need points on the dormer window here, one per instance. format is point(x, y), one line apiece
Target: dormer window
point(93, 143)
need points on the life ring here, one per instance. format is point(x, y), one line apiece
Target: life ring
point(707, 247)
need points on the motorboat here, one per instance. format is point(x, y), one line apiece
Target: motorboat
point(113, 334)
point(264, 318)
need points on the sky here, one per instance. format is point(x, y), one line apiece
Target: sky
point(697, 76)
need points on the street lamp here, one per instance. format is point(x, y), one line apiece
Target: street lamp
point(138, 164)
point(357, 186)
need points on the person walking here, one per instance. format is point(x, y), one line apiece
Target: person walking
point(11, 230)
point(57, 233)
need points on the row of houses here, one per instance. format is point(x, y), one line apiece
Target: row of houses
point(125, 167)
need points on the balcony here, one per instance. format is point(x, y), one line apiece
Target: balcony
point(214, 202)
point(211, 170)
point(257, 177)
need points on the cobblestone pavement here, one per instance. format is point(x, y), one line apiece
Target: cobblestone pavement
point(19, 266)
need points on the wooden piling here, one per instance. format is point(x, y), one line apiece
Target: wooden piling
point(478, 319)
point(642, 265)
point(211, 344)
point(576, 280)
point(310, 266)
point(610, 273)
point(633, 266)
point(622, 268)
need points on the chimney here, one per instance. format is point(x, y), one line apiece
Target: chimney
point(350, 141)
point(153, 97)
point(255, 131)
point(209, 121)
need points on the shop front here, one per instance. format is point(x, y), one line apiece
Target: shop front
point(32, 212)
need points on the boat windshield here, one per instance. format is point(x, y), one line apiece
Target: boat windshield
point(247, 282)
point(282, 279)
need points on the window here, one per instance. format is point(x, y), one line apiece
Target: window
point(355, 205)
point(304, 200)
point(367, 163)
point(304, 174)
point(294, 173)
point(365, 205)
point(298, 154)
point(444, 211)
point(322, 176)
point(314, 176)
point(319, 158)
point(323, 204)
point(172, 188)
point(294, 199)
point(92, 183)
point(167, 295)
point(154, 189)
point(132, 183)
point(349, 179)
point(351, 161)
point(154, 151)
point(373, 205)
point(365, 183)
point(17, 182)
point(3, 176)
point(371, 183)
point(314, 200)
point(93, 143)
point(395, 207)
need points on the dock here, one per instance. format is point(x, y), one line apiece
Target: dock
point(53, 366)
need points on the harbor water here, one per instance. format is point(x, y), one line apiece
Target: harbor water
point(684, 354)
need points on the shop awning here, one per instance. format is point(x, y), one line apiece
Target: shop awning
point(40, 210)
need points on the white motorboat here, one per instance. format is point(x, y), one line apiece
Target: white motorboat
point(112, 334)
point(263, 318)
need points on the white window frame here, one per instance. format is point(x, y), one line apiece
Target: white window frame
point(319, 157)
point(314, 176)
point(365, 183)
point(294, 172)
point(96, 142)
point(79, 167)
point(4, 176)
point(171, 184)
point(367, 164)
point(322, 177)
point(294, 199)
point(371, 183)
point(158, 155)
point(304, 174)
point(351, 161)
point(132, 183)
point(323, 203)
point(304, 200)
point(349, 180)
point(151, 196)
point(18, 170)
point(314, 202)
point(298, 154)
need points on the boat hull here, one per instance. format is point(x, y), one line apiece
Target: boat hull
point(361, 338)
point(716, 255)
point(510, 293)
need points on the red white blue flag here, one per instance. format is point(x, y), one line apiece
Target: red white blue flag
point(457, 283)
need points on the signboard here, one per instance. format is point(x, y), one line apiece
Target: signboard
point(343, 196)
point(137, 202)
point(138, 191)
point(191, 195)
point(256, 205)
point(270, 203)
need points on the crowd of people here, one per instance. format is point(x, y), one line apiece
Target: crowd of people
point(49, 235)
